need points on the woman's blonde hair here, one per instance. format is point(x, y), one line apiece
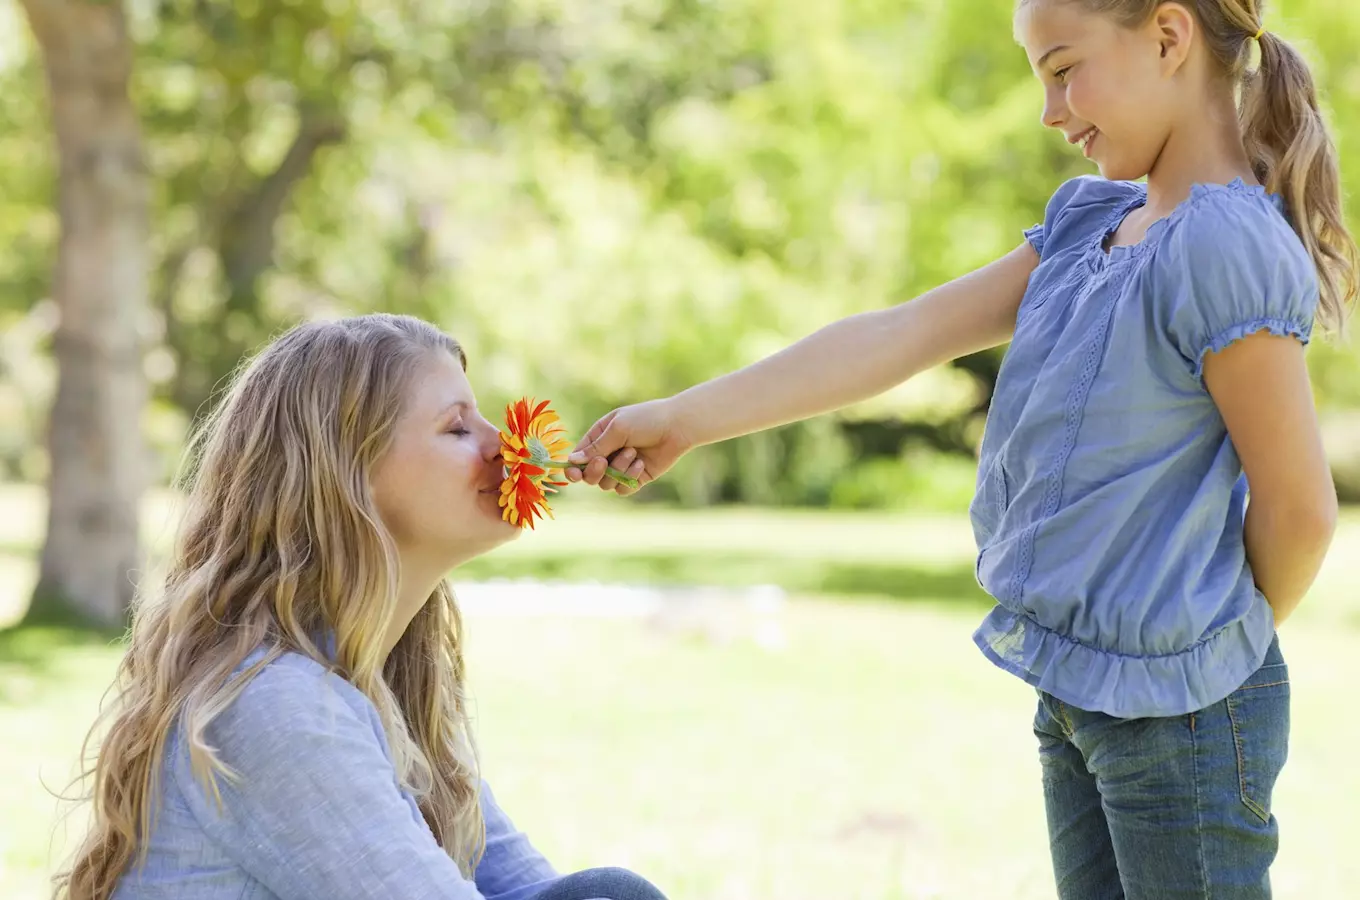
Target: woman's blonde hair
point(281, 548)
point(1287, 141)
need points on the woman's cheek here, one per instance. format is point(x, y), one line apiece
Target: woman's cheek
point(466, 462)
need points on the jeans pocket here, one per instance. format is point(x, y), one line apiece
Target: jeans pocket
point(1259, 714)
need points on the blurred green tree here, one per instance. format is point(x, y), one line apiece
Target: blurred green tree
point(603, 200)
point(94, 444)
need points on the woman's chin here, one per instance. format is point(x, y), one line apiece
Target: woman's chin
point(482, 528)
point(502, 529)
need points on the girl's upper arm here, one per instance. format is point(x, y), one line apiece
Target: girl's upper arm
point(999, 288)
point(1261, 388)
point(971, 313)
point(314, 811)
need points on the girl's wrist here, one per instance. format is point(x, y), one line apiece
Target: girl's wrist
point(684, 412)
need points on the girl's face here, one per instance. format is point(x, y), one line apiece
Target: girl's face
point(1110, 90)
point(438, 485)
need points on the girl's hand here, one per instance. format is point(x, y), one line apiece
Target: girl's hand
point(643, 440)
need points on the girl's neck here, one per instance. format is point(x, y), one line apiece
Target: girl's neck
point(1206, 149)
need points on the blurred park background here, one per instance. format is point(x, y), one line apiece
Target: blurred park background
point(753, 680)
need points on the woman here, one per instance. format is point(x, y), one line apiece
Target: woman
point(291, 719)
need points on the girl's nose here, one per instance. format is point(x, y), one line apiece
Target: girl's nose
point(1055, 110)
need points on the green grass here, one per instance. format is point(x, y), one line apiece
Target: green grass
point(808, 552)
point(876, 756)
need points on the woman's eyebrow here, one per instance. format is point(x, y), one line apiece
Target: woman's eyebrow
point(459, 406)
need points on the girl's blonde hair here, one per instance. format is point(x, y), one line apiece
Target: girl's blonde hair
point(1287, 141)
point(281, 547)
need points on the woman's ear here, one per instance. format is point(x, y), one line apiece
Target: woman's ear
point(1173, 27)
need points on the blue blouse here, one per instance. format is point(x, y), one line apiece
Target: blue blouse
point(317, 811)
point(1110, 502)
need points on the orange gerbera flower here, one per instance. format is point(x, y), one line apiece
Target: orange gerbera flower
point(533, 443)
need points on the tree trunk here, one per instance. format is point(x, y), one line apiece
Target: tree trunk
point(91, 555)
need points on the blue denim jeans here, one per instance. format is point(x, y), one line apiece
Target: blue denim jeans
point(1167, 808)
point(602, 884)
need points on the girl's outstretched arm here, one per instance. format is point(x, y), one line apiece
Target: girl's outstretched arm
point(843, 363)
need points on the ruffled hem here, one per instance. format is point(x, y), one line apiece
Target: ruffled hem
point(1128, 687)
point(1229, 336)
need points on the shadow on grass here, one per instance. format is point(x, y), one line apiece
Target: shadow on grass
point(906, 582)
point(15, 548)
point(33, 649)
point(34, 652)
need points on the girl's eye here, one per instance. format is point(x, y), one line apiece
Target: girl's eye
point(1061, 74)
point(459, 430)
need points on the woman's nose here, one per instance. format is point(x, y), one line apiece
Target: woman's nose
point(490, 440)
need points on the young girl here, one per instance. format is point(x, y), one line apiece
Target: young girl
point(1157, 354)
point(291, 720)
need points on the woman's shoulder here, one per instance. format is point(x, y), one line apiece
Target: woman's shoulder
point(281, 715)
point(291, 690)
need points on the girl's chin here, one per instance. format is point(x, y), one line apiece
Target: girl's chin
point(1117, 170)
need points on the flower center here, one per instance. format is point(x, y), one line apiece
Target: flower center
point(536, 448)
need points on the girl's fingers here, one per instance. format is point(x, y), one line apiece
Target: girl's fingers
point(595, 470)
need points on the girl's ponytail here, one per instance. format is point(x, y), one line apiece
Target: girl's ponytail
point(1293, 156)
point(1288, 145)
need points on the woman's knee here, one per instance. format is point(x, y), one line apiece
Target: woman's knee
point(607, 883)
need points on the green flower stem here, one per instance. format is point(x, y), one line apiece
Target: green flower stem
point(612, 472)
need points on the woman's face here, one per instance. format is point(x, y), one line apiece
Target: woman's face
point(437, 488)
